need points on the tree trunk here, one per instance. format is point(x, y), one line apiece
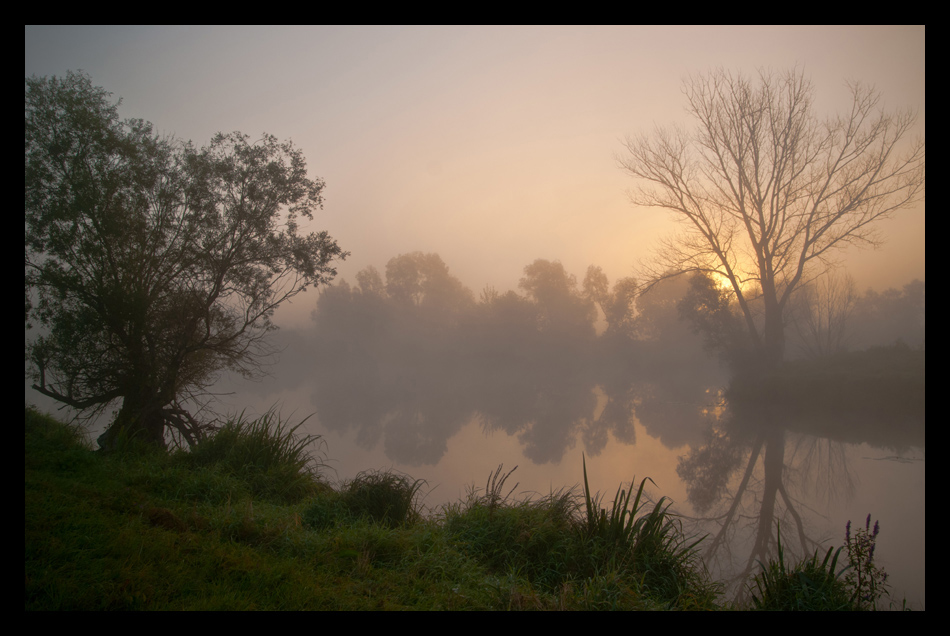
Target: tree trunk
point(773, 336)
point(140, 419)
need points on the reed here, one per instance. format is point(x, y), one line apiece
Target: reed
point(619, 529)
point(494, 487)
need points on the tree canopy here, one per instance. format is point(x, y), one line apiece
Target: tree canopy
point(151, 264)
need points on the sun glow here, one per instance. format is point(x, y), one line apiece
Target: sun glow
point(746, 284)
point(722, 281)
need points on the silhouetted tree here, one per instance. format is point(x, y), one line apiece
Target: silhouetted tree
point(151, 264)
point(767, 193)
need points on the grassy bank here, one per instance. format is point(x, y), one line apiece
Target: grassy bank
point(245, 522)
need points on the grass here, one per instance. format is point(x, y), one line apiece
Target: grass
point(246, 522)
point(814, 585)
point(811, 585)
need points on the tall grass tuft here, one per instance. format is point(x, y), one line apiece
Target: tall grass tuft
point(812, 585)
point(651, 545)
point(385, 497)
point(494, 487)
point(618, 530)
point(533, 541)
point(266, 453)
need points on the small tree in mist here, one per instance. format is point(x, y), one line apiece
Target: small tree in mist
point(881, 318)
point(617, 304)
point(152, 264)
point(824, 314)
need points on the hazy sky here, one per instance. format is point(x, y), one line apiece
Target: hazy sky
point(492, 146)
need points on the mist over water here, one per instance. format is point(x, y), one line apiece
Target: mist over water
point(407, 370)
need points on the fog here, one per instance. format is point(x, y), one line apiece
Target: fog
point(472, 175)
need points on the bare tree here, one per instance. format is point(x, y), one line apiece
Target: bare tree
point(768, 193)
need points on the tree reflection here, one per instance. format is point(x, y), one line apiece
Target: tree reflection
point(778, 448)
point(407, 361)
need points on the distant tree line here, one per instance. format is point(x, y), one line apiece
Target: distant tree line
point(418, 313)
point(408, 355)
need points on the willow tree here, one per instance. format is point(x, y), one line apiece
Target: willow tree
point(152, 265)
point(767, 192)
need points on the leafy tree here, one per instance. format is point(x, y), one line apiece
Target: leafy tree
point(151, 265)
point(563, 310)
point(767, 193)
point(617, 306)
point(423, 281)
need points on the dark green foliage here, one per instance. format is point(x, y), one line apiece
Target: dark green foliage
point(609, 559)
point(534, 540)
point(195, 530)
point(812, 585)
point(324, 511)
point(44, 431)
point(266, 453)
point(651, 545)
point(385, 497)
point(817, 586)
point(51, 442)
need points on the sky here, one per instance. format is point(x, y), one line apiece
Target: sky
point(491, 146)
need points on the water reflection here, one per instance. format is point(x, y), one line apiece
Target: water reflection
point(785, 440)
point(771, 453)
point(414, 410)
